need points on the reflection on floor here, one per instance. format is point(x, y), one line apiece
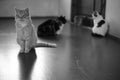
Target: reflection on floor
point(79, 56)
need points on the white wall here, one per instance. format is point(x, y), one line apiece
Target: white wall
point(113, 16)
point(65, 8)
point(37, 7)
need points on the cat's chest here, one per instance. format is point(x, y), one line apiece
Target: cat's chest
point(23, 28)
point(25, 32)
point(23, 24)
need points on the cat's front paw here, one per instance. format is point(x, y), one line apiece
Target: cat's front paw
point(21, 51)
point(27, 50)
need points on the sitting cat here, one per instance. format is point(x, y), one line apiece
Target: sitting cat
point(100, 27)
point(26, 35)
point(51, 27)
point(78, 20)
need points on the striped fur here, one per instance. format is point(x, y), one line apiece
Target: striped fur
point(26, 34)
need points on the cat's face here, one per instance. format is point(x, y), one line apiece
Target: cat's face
point(62, 19)
point(95, 14)
point(21, 15)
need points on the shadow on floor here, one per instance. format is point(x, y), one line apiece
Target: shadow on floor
point(26, 62)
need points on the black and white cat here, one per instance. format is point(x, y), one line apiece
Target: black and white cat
point(51, 27)
point(100, 27)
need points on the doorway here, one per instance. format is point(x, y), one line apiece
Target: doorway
point(86, 7)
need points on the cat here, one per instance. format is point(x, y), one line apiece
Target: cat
point(77, 20)
point(100, 27)
point(26, 34)
point(51, 27)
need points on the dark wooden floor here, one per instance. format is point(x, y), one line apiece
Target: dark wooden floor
point(79, 56)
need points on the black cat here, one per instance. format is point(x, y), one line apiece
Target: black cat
point(51, 27)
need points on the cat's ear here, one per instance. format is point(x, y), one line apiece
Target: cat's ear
point(27, 9)
point(16, 10)
point(97, 13)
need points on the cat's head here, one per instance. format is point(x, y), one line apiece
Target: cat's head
point(22, 14)
point(62, 19)
point(95, 14)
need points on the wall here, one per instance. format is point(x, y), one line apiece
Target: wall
point(65, 8)
point(37, 7)
point(113, 16)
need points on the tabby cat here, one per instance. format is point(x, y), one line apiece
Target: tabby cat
point(100, 27)
point(51, 27)
point(77, 20)
point(26, 34)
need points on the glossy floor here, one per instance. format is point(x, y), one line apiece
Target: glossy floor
point(79, 56)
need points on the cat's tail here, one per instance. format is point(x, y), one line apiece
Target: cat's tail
point(45, 44)
point(89, 28)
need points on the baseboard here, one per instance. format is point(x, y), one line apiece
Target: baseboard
point(6, 17)
point(113, 37)
point(43, 17)
point(35, 17)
